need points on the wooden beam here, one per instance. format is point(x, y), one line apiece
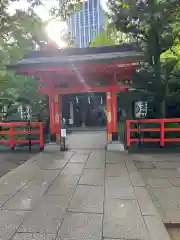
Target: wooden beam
point(116, 88)
point(117, 67)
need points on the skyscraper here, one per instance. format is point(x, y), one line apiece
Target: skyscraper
point(86, 24)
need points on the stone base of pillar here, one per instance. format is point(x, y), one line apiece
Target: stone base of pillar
point(115, 136)
point(58, 139)
point(52, 137)
point(109, 137)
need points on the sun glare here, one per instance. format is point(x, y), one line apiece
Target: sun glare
point(55, 30)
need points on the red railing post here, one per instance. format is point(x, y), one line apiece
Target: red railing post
point(162, 132)
point(128, 133)
point(11, 136)
point(41, 136)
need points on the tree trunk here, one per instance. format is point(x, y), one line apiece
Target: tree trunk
point(163, 108)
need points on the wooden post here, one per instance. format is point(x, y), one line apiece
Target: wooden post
point(114, 116)
point(52, 116)
point(57, 117)
point(109, 116)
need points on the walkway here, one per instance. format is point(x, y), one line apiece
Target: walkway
point(161, 175)
point(79, 195)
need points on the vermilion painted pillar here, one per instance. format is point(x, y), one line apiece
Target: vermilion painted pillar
point(109, 116)
point(58, 116)
point(52, 115)
point(114, 116)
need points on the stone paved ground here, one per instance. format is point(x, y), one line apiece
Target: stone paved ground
point(11, 160)
point(81, 194)
point(161, 175)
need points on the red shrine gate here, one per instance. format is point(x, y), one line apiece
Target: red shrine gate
point(67, 71)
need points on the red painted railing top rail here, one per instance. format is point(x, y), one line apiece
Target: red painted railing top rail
point(157, 120)
point(20, 124)
point(12, 132)
point(161, 129)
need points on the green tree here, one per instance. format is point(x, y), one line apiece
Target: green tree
point(20, 32)
point(154, 25)
point(109, 36)
point(14, 44)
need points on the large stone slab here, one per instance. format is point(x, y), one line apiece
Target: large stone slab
point(38, 185)
point(99, 154)
point(21, 201)
point(81, 151)
point(73, 168)
point(130, 165)
point(28, 196)
point(145, 202)
point(52, 164)
point(4, 199)
point(49, 202)
point(95, 163)
point(144, 165)
point(47, 221)
point(157, 182)
point(61, 188)
point(12, 185)
point(34, 236)
point(87, 199)
point(79, 158)
point(166, 165)
point(173, 216)
point(119, 187)
point(165, 198)
point(81, 226)
point(136, 179)
point(115, 147)
point(115, 170)
point(160, 173)
point(67, 180)
point(46, 176)
point(87, 140)
point(9, 223)
point(64, 155)
point(47, 215)
point(122, 219)
point(156, 228)
point(175, 182)
point(114, 157)
point(92, 177)
point(167, 202)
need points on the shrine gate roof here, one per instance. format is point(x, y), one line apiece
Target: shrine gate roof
point(47, 60)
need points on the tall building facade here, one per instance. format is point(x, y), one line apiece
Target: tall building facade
point(86, 24)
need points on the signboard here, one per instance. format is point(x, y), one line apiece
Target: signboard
point(25, 112)
point(63, 133)
point(70, 121)
point(140, 109)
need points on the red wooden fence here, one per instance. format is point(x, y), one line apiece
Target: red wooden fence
point(12, 132)
point(161, 129)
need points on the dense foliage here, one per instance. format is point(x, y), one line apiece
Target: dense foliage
point(155, 27)
point(18, 34)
